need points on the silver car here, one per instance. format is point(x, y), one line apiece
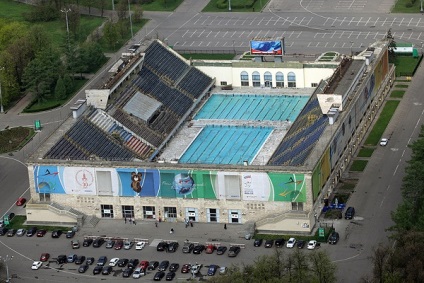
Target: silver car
point(20, 232)
point(128, 245)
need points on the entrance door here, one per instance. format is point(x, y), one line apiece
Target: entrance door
point(213, 214)
point(234, 216)
point(170, 213)
point(191, 214)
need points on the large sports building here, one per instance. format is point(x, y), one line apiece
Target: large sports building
point(260, 141)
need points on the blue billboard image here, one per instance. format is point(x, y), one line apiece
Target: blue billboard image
point(266, 47)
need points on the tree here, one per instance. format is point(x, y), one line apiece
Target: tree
point(91, 53)
point(69, 84)
point(110, 33)
point(38, 39)
point(392, 44)
point(74, 20)
point(322, 267)
point(60, 89)
point(122, 9)
point(11, 32)
point(138, 14)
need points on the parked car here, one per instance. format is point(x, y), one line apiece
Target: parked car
point(36, 265)
point(110, 244)
point(233, 251)
point(140, 245)
point(210, 249)
point(75, 244)
point(3, 231)
point(56, 233)
point(222, 270)
point(87, 242)
point(70, 234)
point(350, 212)
point(11, 215)
point(159, 275)
point(44, 257)
point(132, 263)
point(21, 201)
point(98, 242)
point(257, 242)
point(163, 265)
point(119, 244)
point(31, 231)
point(144, 264)
point(61, 259)
point(185, 268)
point(138, 272)
point(290, 243)
point(170, 276)
point(97, 269)
point(212, 269)
point(20, 232)
point(300, 244)
point(80, 259)
point(312, 244)
point(153, 265)
point(269, 243)
point(107, 270)
point(102, 261)
point(198, 249)
point(122, 262)
point(279, 243)
point(195, 268)
point(41, 233)
point(172, 247)
point(174, 267)
point(334, 238)
point(83, 268)
point(11, 232)
point(188, 248)
point(127, 272)
point(221, 250)
point(71, 258)
point(128, 245)
point(161, 246)
point(113, 261)
point(384, 141)
point(90, 260)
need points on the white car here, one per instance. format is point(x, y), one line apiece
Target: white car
point(290, 243)
point(113, 261)
point(140, 245)
point(222, 270)
point(384, 142)
point(128, 245)
point(36, 265)
point(195, 268)
point(312, 244)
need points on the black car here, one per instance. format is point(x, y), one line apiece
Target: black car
point(132, 263)
point(107, 270)
point(11, 232)
point(153, 265)
point(127, 272)
point(300, 244)
point(174, 267)
point(70, 234)
point(61, 259)
point(172, 247)
point(334, 238)
point(221, 250)
point(170, 276)
point(110, 244)
point(269, 243)
point(11, 215)
point(163, 265)
point(83, 268)
point(80, 259)
point(198, 249)
point(162, 246)
point(102, 260)
point(31, 231)
point(257, 242)
point(98, 242)
point(233, 251)
point(97, 270)
point(122, 262)
point(159, 275)
point(90, 260)
point(56, 233)
point(3, 231)
point(279, 243)
point(87, 242)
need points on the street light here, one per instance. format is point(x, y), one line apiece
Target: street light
point(129, 12)
point(66, 11)
point(351, 45)
point(5, 260)
point(1, 96)
point(421, 7)
point(229, 5)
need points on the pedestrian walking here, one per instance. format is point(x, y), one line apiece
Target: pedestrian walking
point(172, 231)
point(130, 220)
point(191, 223)
point(156, 224)
point(134, 222)
point(225, 226)
point(125, 219)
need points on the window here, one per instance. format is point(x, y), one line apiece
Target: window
point(314, 84)
point(170, 213)
point(268, 79)
point(128, 211)
point(149, 212)
point(107, 210)
point(256, 79)
point(297, 206)
point(44, 197)
point(279, 79)
point(291, 79)
point(244, 77)
point(223, 83)
point(212, 214)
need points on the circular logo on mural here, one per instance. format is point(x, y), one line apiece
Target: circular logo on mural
point(183, 184)
point(84, 178)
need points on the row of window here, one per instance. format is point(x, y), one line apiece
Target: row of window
point(267, 79)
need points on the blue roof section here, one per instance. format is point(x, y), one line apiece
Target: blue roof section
point(226, 145)
point(253, 107)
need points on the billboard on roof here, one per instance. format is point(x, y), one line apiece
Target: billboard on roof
point(266, 47)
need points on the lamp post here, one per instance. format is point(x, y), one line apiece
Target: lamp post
point(5, 260)
point(1, 96)
point(66, 11)
point(129, 12)
point(229, 5)
point(351, 45)
point(421, 6)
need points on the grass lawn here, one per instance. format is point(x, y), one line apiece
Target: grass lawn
point(397, 93)
point(157, 5)
point(358, 165)
point(12, 139)
point(382, 122)
point(201, 56)
point(402, 6)
point(405, 65)
point(257, 7)
point(401, 86)
point(365, 152)
point(19, 220)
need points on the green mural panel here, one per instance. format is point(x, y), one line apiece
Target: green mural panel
point(288, 187)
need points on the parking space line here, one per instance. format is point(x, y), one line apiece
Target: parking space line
point(326, 44)
point(419, 36)
point(309, 21)
point(252, 21)
point(293, 21)
point(393, 22)
point(235, 23)
point(357, 37)
point(209, 33)
point(343, 44)
point(376, 21)
point(185, 33)
point(216, 44)
point(301, 21)
point(367, 21)
point(225, 34)
point(259, 32)
point(276, 21)
point(341, 34)
point(334, 32)
point(192, 43)
point(260, 22)
point(419, 19)
point(201, 33)
point(351, 21)
point(332, 24)
point(243, 22)
point(234, 33)
point(334, 45)
point(270, 19)
point(208, 43)
point(409, 22)
point(249, 34)
point(401, 22)
point(193, 33)
point(350, 34)
point(376, 34)
point(197, 20)
point(275, 32)
point(200, 43)
point(241, 34)
point(228, 21)
point(410, 35)
point(217, 33)
point(402, 35)
point(342, 20)
point(357, 24)
point(291, 34)
point(384, 22)
point(219, 23)
point(266, 33)
point(326, 21)
point(205, 20)
point(299, 34)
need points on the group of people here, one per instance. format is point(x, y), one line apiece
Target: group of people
point(130, 220)
point(188, 222)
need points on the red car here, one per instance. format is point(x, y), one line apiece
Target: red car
point(20, 201)
point(144, 264)
point(119, 244)
point(41, 233)
point(210, 249)
point(186, 268)
point(44, 257)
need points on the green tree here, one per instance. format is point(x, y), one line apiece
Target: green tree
point(138, 14)
point(122, 9)
point(60, 89)
point(38, 38)
point(92, 54)
point(110, 33)
point(10, 32)
point(322, 268)
point(69, 84)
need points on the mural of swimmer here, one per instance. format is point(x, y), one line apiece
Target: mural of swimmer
point(183, 184)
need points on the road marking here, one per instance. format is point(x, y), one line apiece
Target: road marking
point(242, 24)
point(301, 21)
point(268, 21)
point(326, 21)
point(234, 33)
point(393, 22)
point(366, 37)
point(410, 35)
point(225, 34)
point(418, 38)
point(208, 43)
point(209, 34)
point(197, 20)
point(299, 34)
point(241, 34)
point(185, 33)
point(357, 37)
point(375, 24)
point(332, 24)
point(419, 19)
point(235, 23)
point(192, 43)
point(351, 21)
point(309, 22)
point(342, 20)
point(260, 22)
point(276, 21)
point(216, 44)
point(333, 34)
point(201, 33)
point(367, 21)
point(252, 21)
point(217, 34)
point(293, 22)
point(401, 22)
point(409, 22)
point(357, 24)
point(193, 33)
point(266, 33)
point(249, 34)
point(205, 20)
point(200, 43)
point(384, 22)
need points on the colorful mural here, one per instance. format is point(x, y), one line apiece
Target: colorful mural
point(192, 184)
